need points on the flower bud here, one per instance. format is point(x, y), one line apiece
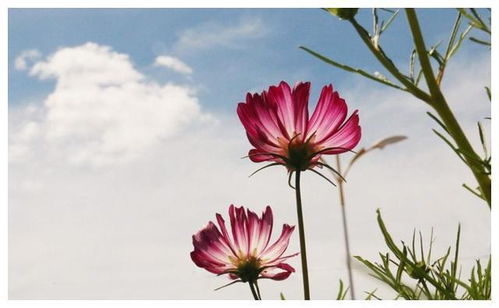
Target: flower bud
point(343, 13)
point(419, 271)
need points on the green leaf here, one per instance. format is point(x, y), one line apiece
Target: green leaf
point(455, 48)
point(371, 295)
point(342, 292)
point(399, 254)
point(453, 35)
point(431, 115)
point(475, 20)
point(351, 69)
point(456, 254)
point(473, 191)
point(420, 74)
point(479, 41)
point(482, 139)
point(487, 89)
point(389, 21)
point(451, 146)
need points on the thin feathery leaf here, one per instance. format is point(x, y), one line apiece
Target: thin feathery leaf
point(453, 35)
point(371, 295)
point(463, 35)
point(489, 95)
point(479, 41)
point(482, 139)
point(434, 117)
point(351, 69)
point(451, 146)
point(389, 21)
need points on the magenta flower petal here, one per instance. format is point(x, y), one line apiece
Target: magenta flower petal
point(282, 97)
point(266, 223)
point(259, 156)
point(301, 94)
point(330, 112)
point(280, 271)
point(247, 255)
point(276, 250)
point(279, 128)
point(347, 137)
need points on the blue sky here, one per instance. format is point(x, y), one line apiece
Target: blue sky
point(124, 141)
point(222, 72)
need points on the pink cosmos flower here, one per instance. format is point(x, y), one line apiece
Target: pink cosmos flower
point(247, 254)
point(278, 126)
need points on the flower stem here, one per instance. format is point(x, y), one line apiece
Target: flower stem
point(445, 113)
point(258, 289)
point(301, 231)
point(345, 228)
point(253, 291)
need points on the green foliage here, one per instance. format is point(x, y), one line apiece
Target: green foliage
point(412, 274)
point(342, 292)
point(429, 59)
point(476, 21)
point(409, 271)
point(347, 68)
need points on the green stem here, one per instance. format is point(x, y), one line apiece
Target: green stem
point(301, 231)
point(388, 64)
point(345, 228)
point(445, 113)
point(253, 291)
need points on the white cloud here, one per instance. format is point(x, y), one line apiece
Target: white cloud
point(102, 109)
point(22, 60)
point(211, 34)
point(87, 65)
point(173, 63)
point(124, 231)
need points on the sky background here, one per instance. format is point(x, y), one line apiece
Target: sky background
point(124, 141)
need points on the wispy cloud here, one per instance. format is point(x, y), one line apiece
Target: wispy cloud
point(173, 63)
point(25, 58)
point(218, 34)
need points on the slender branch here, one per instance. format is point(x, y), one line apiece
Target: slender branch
point(301, 231)
point(435, 92)
point(388, 64)
point(345, 227)
point(443, 110)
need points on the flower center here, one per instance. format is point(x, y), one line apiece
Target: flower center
point(299, 155)
point(249, 269)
